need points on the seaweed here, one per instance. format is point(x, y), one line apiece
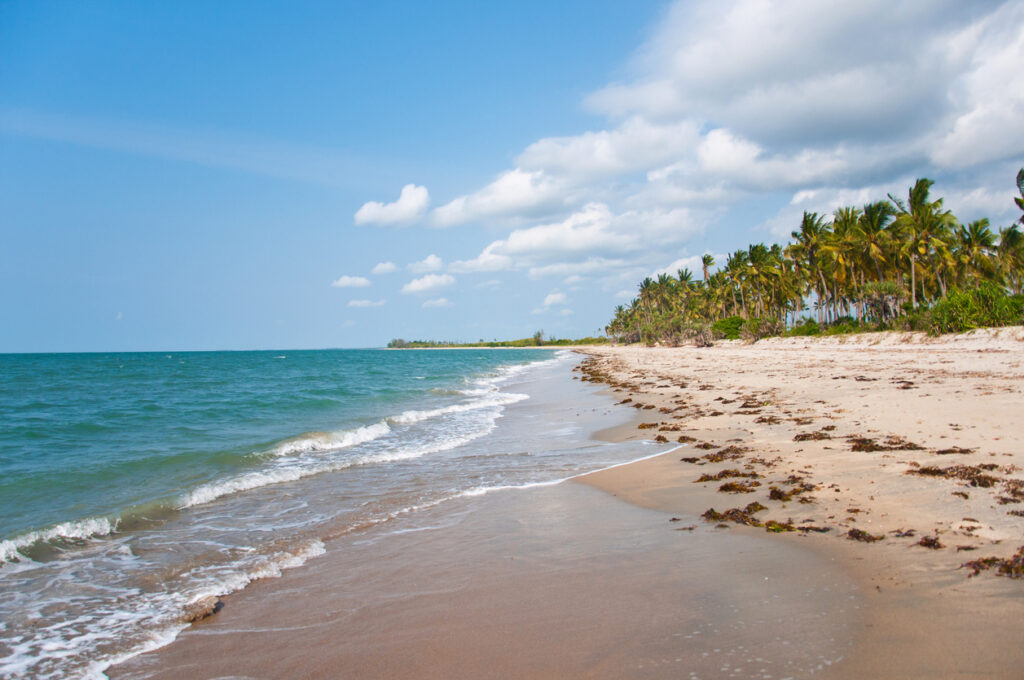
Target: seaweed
point(768, 420)
point(744, 516)
point(1011, 567)
point(812, 436)
point(953, 450)
point(661, 439)
point(972, 474)
point(778, 527)
point(686, 439)
point(706, 446)
point(726, 474)
point(892, 443)
point(739, 487)
point(862, 536)
point(690, 459)
point(931, 542)
point(646, 426)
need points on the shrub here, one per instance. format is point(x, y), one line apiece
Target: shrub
point(964, 310)
point(755, 329)
point(729, 327)
point(806, 327)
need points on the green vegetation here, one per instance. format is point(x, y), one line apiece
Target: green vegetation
point(892, 264)
point(537, 340)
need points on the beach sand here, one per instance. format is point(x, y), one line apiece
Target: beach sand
point(616, 574)
point(854, 421)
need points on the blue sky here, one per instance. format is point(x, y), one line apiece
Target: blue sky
point(197, 175)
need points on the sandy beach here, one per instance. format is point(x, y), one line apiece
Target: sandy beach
point(911, 443)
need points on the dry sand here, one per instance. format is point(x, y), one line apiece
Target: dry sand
point(797, 412)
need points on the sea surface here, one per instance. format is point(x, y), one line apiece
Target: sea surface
point(135, 484)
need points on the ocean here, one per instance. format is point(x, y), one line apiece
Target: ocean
point(135, 484)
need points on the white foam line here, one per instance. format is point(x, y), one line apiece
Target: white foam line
point(482, 490)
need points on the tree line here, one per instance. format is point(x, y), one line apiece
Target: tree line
point(895, 263)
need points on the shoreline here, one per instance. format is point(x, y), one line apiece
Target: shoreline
point(517, 571)
point(841, 428)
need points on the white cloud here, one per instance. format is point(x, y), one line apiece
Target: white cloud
point(412, 204)
point(513, 194)
point(384, 268)
point(431, 263)
point(555, 298)
point(367, 303)
point(636, 144)
point(428, 283)
point(438, 302)
point(351, 282)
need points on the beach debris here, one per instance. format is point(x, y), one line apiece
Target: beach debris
point(1012, 567)
point(962, 494)
point(661, 439)
point(686, 439)
point(688, 528)
point(953, 450)
point(966, 547)
point(739, 487)
point(646, 426)
point(744, 516)
point(892, 443)
point(972, 474)
point(778, 527)
point(931, 542)
point(202, 608)
point(674, 427)
point(706, 446)
point(1016, 513)
point(627, 400)
point(812, 436)
point(900, 533)
point(862, 536)
point(768, 420)
point(726, 474)
point(690, 459)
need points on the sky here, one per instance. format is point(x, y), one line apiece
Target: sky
point(270, 175)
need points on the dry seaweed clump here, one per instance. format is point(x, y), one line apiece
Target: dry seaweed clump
point(973, 474)
point(862, 536)
point(812, 436)
point(739, 487)
point(731, 452)
point(727, 474)
point(1013, 566)
point(931, 542)
point(892, 443)
point(744, 516)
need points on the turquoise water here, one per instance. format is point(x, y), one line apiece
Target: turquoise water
point(134, 484)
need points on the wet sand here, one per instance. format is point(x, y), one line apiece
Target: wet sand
point(553, 582)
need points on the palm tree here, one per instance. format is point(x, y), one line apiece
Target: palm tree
point(707, 261)
point(809, 241)
point(924, 226)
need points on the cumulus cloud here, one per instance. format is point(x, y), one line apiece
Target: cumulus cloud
point(347, 281)
point(428, 283)
point(412, 204)
point(384, 268)
point(431, 263)
point(733, 106)
point(367, 303)
point(437, 302)
point(514, 193)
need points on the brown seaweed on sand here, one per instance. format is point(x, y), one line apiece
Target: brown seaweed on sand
point(863, 536)
point(744, 516)
point(930, 542)
point(1013, 566)
point(726, 474)
point(738, 487)
point(973, 474)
